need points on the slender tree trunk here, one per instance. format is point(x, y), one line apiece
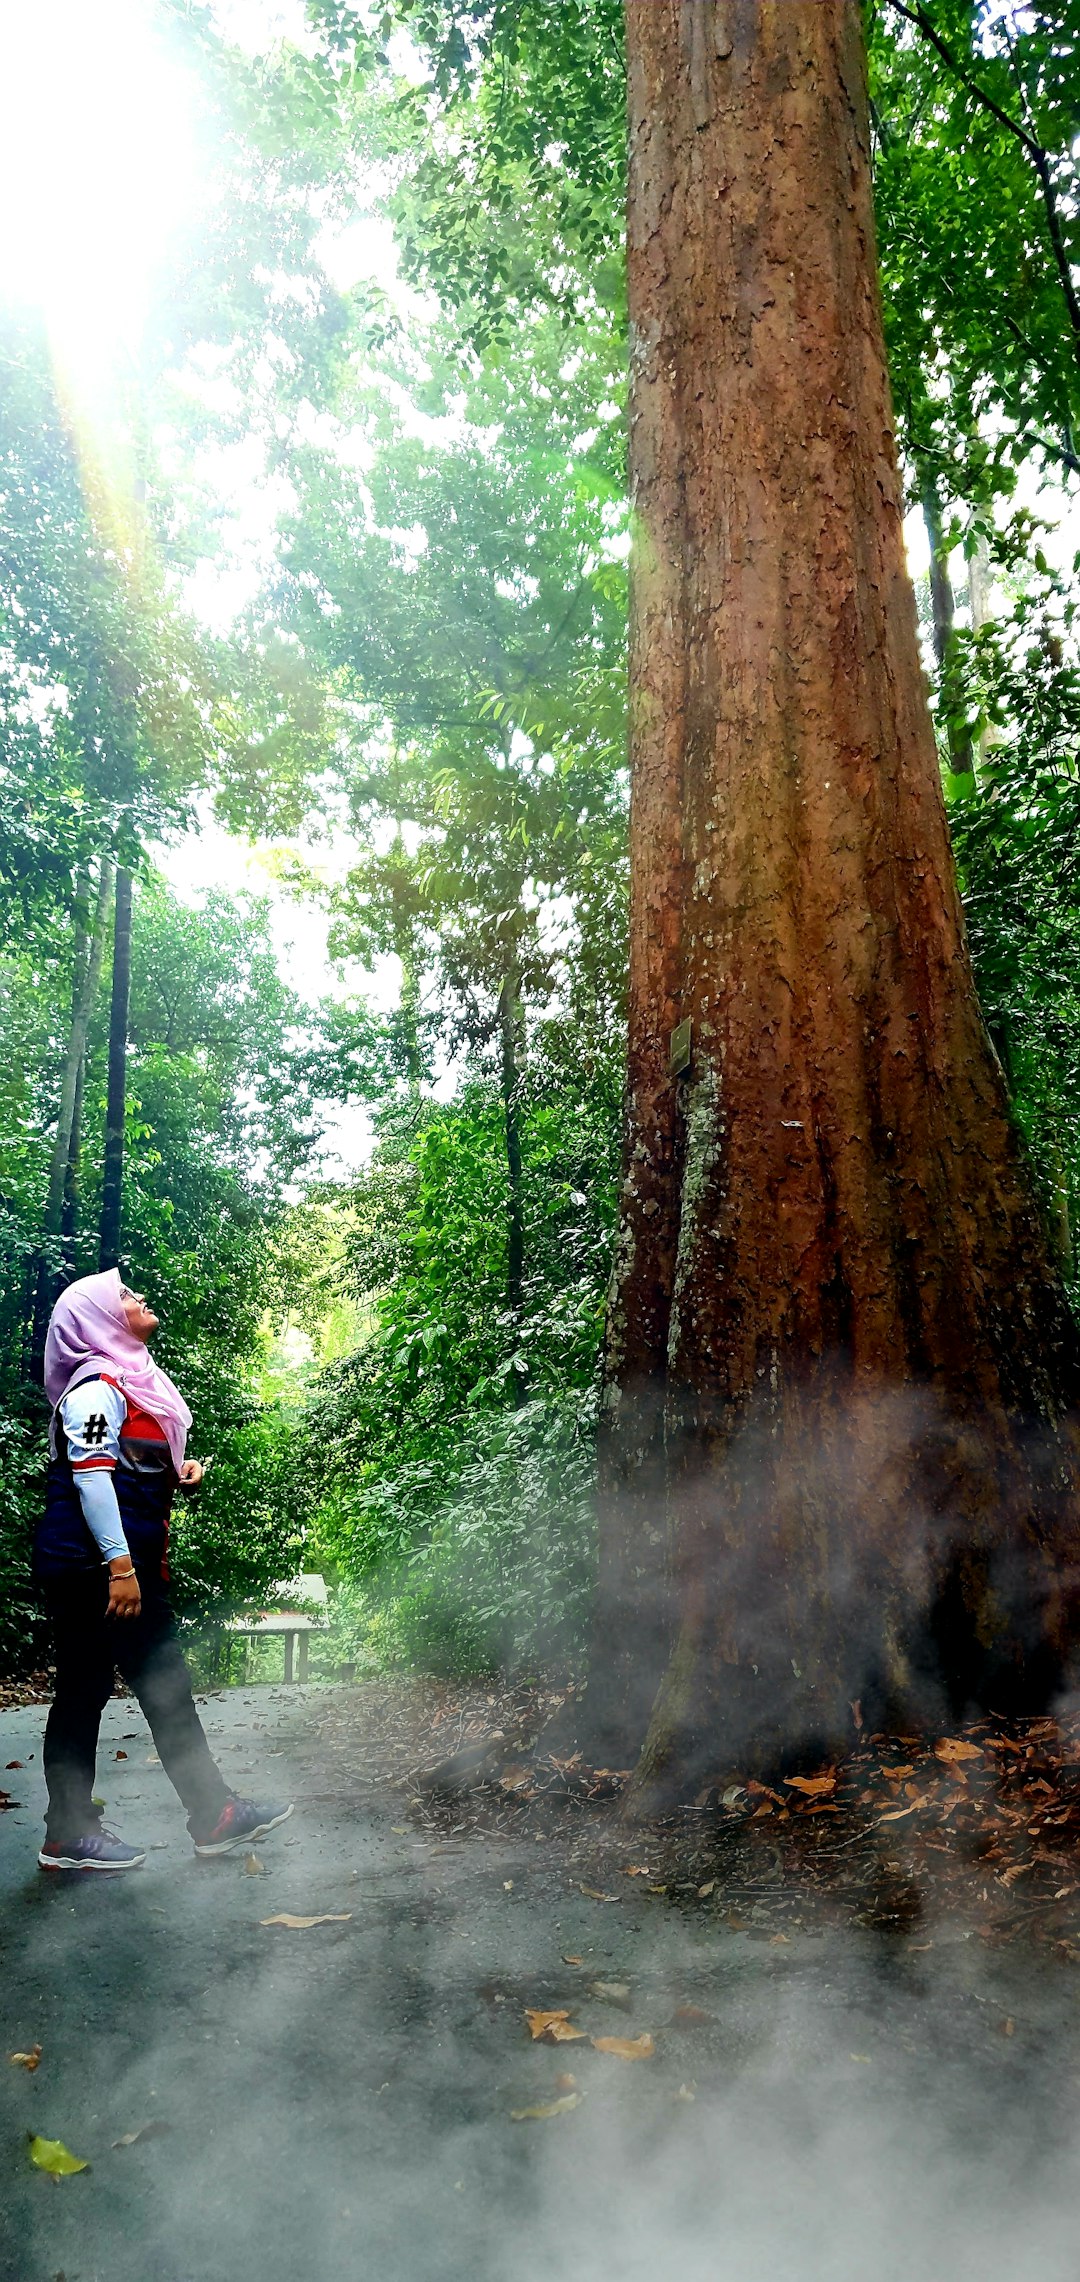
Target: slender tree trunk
point(839, 1446)
point(89, 946)
point(943, 604)
point(509, 1040)
point(69, 1221)
point(112, 1183)
point(980, 589)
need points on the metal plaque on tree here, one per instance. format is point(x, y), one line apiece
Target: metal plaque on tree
point(679, 1050)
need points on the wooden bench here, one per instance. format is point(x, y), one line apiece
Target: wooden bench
point(292, 1623)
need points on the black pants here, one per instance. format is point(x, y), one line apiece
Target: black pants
point(90, 1645)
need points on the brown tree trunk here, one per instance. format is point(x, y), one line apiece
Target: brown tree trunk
point(839, 1454)
point(116, 1096)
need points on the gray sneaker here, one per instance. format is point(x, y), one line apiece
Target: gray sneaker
point(240, 1823)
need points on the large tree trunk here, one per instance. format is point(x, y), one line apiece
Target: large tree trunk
point(839, 1456)
point(116, 1097)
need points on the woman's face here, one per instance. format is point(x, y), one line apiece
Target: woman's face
point(141, 1320)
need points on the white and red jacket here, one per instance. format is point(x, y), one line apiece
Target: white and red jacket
point(110, 1483)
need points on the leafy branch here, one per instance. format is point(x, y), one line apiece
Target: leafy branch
point(1035, 151)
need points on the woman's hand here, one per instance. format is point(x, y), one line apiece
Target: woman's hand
point(191, 1474)
point(125, 1598)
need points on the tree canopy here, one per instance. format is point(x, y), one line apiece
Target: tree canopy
point(419, 684)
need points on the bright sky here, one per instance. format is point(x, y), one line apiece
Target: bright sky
point(99, 164)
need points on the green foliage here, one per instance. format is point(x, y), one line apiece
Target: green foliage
point(479, 1555)
point(220, 1121)
point(978, 230)
point(510, 151)
point(450, 1455)
point(22, 1476)
point(244, 1531)
point(1016, 834)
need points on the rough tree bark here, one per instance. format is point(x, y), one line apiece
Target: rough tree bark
point(839, 1450)
point(116, 1095)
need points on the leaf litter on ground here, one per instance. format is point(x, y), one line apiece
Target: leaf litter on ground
point(302, 1925)
point(29, 2060)
point(625, 2047)
point(773, 1855)
point(552, 2027)
point(561, 2106)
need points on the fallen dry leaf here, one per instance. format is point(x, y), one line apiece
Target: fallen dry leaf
point(553, 2028)
point(565, 2082)
point(710, 1885)
point(52, 2156)
point(686, 2092)
point(253, 1868)
point(625, 2047)
point(1009, 1877)
point(593, 1894)
point(28, 2060)
point(611, 1992)
point(300, 1925)
point(896, 1814)
point(572, 1960)
point(546, 2108)
point(812, 1786)
point(952, 1747)
point(691, 2013)
point(155, 2129)
point(636, 1870)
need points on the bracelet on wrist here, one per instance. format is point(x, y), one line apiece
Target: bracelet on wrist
point(122, 1574)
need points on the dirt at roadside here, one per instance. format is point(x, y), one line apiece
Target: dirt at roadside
point(984, 1822)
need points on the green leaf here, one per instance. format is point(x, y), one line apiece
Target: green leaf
point(52, 2156)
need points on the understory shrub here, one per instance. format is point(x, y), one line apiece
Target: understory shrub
point(478, 1559)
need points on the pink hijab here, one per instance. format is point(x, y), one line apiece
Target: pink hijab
point(87, 1332)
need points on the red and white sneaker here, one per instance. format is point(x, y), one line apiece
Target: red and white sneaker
point(240, 1822)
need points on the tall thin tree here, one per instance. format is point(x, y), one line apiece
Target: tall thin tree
point(116, 1098)
point(92, 911)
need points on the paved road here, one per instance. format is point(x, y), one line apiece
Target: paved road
point(338, 2100)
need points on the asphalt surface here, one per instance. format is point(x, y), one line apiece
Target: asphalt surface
point(336, 2102)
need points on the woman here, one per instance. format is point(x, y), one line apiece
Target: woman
point(116, 1456)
